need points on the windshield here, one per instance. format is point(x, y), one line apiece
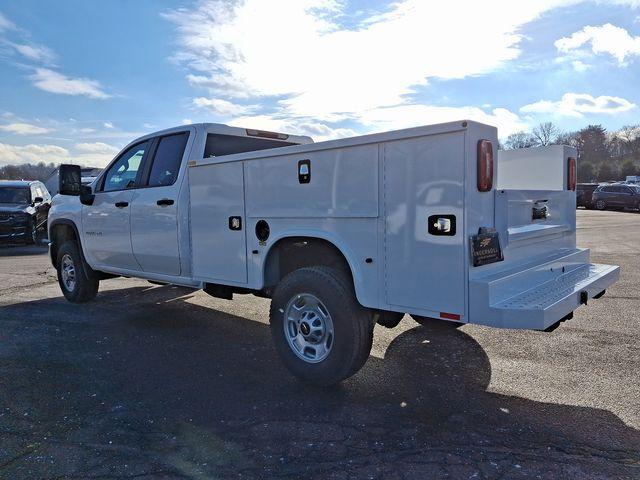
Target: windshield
point(19, 195)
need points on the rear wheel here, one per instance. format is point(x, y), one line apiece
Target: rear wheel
point(428, 321)
point(321, 332)
point(78, 285)
point(601, 205)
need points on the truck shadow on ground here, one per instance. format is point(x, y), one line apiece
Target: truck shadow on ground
point(142, 382)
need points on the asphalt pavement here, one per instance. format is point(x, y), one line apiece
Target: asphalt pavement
point(160, 382)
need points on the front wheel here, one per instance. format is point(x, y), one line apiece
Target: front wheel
point(78, 285)
point(321, 332)
point(601, 205)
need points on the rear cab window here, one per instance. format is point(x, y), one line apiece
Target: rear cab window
point(219, 144)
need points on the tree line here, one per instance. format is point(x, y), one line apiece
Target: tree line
point(602, 156)
point(27, 171)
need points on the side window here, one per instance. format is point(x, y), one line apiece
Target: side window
point(122, 174)
point(167, 160)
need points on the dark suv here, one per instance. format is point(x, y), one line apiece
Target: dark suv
point(24, 207)
point(583, 194)
point(616, 196)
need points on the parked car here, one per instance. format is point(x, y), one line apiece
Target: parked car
point(584, 193)
point(616, 196)
point(24, 208)
point(340, 234)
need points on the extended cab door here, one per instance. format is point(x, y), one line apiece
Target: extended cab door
point(106, 223)
point(154, 209)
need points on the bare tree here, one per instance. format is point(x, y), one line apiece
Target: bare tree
point(519, 140)
point(546, 134)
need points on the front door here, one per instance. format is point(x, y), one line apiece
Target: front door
point(154, 210)
point(106, 223)
point(424, 224)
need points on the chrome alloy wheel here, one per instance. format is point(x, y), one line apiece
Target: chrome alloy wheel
point(308, 328)
point(68, 273)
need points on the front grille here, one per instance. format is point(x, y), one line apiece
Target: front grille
point(5, 217)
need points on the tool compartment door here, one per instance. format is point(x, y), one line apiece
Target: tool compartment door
point(218, 223)
point(424, 224)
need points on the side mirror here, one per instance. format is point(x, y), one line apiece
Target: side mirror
point(69, 180)
point(38, 200)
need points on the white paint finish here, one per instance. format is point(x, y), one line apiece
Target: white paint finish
point(424, 177)
point(536, 168)
point(219, 253)
point(106, 230)
point(367, 211)
point(356, 238)
point(344, 183)
point(154, 230)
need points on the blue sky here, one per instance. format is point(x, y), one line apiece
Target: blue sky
point(79, 78)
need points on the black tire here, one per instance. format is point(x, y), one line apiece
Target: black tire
point(601, 205)
point(33, 234)
point(352, 325)
point(436, 322)
point(85, 287)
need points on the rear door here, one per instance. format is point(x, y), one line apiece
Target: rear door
point(154, 207)
point(424, 224)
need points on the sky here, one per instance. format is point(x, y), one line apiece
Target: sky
point(79, 79)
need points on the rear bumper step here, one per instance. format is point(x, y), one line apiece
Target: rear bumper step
point(547, 303)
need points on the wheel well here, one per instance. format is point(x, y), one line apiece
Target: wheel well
point(289, 254)
point(60, 234)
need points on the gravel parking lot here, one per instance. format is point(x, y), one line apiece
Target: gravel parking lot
point(163, 382)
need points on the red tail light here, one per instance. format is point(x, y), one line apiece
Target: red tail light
point(485, 165)
point(571, 174)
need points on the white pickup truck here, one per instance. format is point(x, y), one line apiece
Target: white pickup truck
point(341, 235)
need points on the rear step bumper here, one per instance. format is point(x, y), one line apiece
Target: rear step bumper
point(545, 304)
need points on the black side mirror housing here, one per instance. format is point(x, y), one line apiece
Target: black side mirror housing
point(38, 200)
point(86, 195)
point(69, 180)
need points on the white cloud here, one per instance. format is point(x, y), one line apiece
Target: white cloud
point(580, 66)
point(35, 52)
point(108, 125)
point(187, 121)
point(296, 126)
point(319, 69)
point(605, 39)
point(579, 104)
point(34, 153)
point(16, 154)
point(405, 116)
point(20, 128)
point(55, 82)
point(96, 147)
point(222, 107)
point(6, 24)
